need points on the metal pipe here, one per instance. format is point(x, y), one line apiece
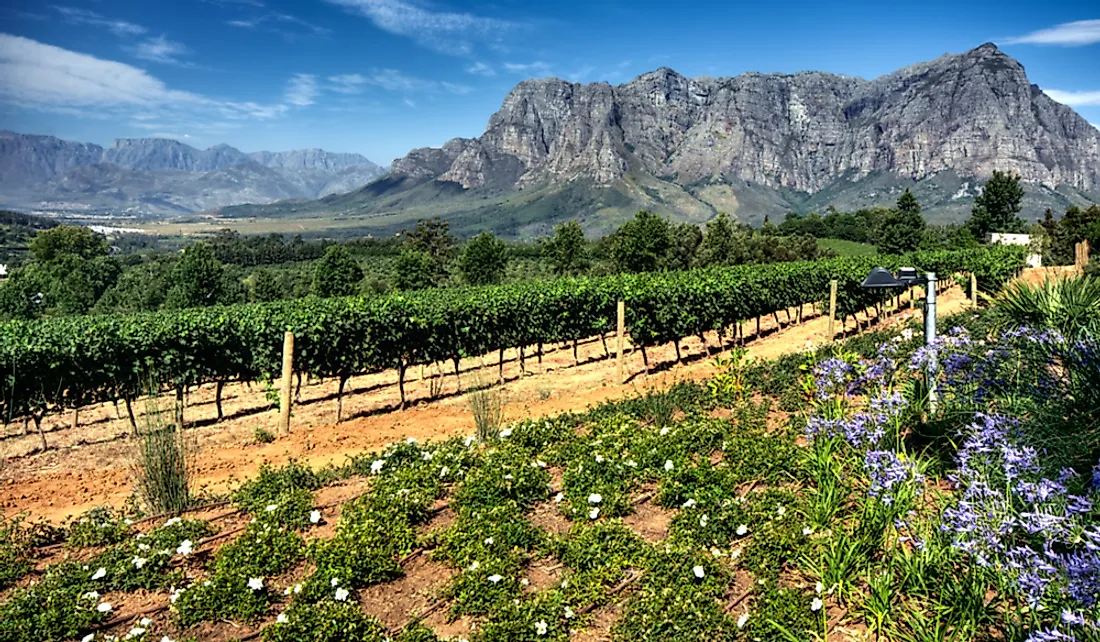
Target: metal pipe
point(930, 336)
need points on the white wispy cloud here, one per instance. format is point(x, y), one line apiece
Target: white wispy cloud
point(301, 89)
point(1067, 34)
point(444, 31)
point(481, 69)
point(277, 22)
point(394, 80)
point(160, 49)
point(1074, 98)
point(38, 76)
point(121, 28)
point(537, 68)
point(410, 103)
point(347, 83)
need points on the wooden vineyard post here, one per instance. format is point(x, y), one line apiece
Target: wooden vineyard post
point(620, 329)
point(288, 372)
point(832, 308)
point(1081, 254)
point(974, 290)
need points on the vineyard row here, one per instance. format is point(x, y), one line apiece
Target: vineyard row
point(70, 362)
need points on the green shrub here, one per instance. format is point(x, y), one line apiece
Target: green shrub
point(15, 546)
point(98, 527)
point(327, 621)
point(280, 496)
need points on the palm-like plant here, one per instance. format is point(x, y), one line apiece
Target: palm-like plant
point(1069, 305)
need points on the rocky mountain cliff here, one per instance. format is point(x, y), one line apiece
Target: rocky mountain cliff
point(752, 145)
point(161, 176)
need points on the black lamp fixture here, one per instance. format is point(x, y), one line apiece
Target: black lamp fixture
point(881, 278)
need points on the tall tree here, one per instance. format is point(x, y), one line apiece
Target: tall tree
point(433, 239)
point(719, 242)
point(414, 270)
point(66, 240)
point(484, 260)
point(902, 229)
point(565, 251)
point(686, 239)
point(642, 244)
point(995, 209)
point(196, 279)
point(337, 273)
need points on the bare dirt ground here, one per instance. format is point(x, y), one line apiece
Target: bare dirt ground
point(90, 465)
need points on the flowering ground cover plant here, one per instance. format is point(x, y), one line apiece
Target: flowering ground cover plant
point(815, 497)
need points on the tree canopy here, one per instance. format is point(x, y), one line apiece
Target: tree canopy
point(995, 209)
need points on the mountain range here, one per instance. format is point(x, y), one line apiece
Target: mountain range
point(753, 145)
point(156, 176)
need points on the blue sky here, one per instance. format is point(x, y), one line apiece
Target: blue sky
point(380, 77)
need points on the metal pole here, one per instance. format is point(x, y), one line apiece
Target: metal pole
point(930, 336)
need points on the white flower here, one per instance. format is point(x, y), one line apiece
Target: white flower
point(256, 583)
point(314, 516)
point(664, 431)
point(143, 547)
point(568, 613)
point(88, 638)
point(698, 570)
point(271, 508)
point(632, 463)
point(341, 594)
point(741, 620)
point(735, 553)
point(816, 604)
point(281, 619)
point(507, 432)
point(703, 521)
point(166, 639)
point(509, 477)
point(489, 541)
point(494, 578)
point(559, 497)
point(742, 529)
point(594, 513)
point(139, 561)
point(185, 548)
point(540, 463)
point(807, 531)
point(668, 464)
point(104, 607)
point(100, 574)
point(525, 581)
point(595, 498)
point(907, 334)
point(175, 596)
point(540, 627)
point(135, 632)
point(145, 621)
point(376, 466)
point(297, 589)
point(689, 503)
point(172, 522)
point(443, 472)
point(334, 582)
point(599, 458)
point(470, 440)
point(473, 567)
point(426, 456)
point(411, 440)
point(782, 510)
point(91, 595)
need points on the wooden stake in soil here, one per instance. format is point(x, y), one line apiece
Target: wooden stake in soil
point(974, 290)
point(832, 309)
point(41, 434)
point(620, 328)
point(179, 408)
point(288, 378)
point(76, 418)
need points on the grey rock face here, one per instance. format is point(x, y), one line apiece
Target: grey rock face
point(160, 176)
point(971, 113)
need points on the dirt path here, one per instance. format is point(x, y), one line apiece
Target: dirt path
point(89, 465)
